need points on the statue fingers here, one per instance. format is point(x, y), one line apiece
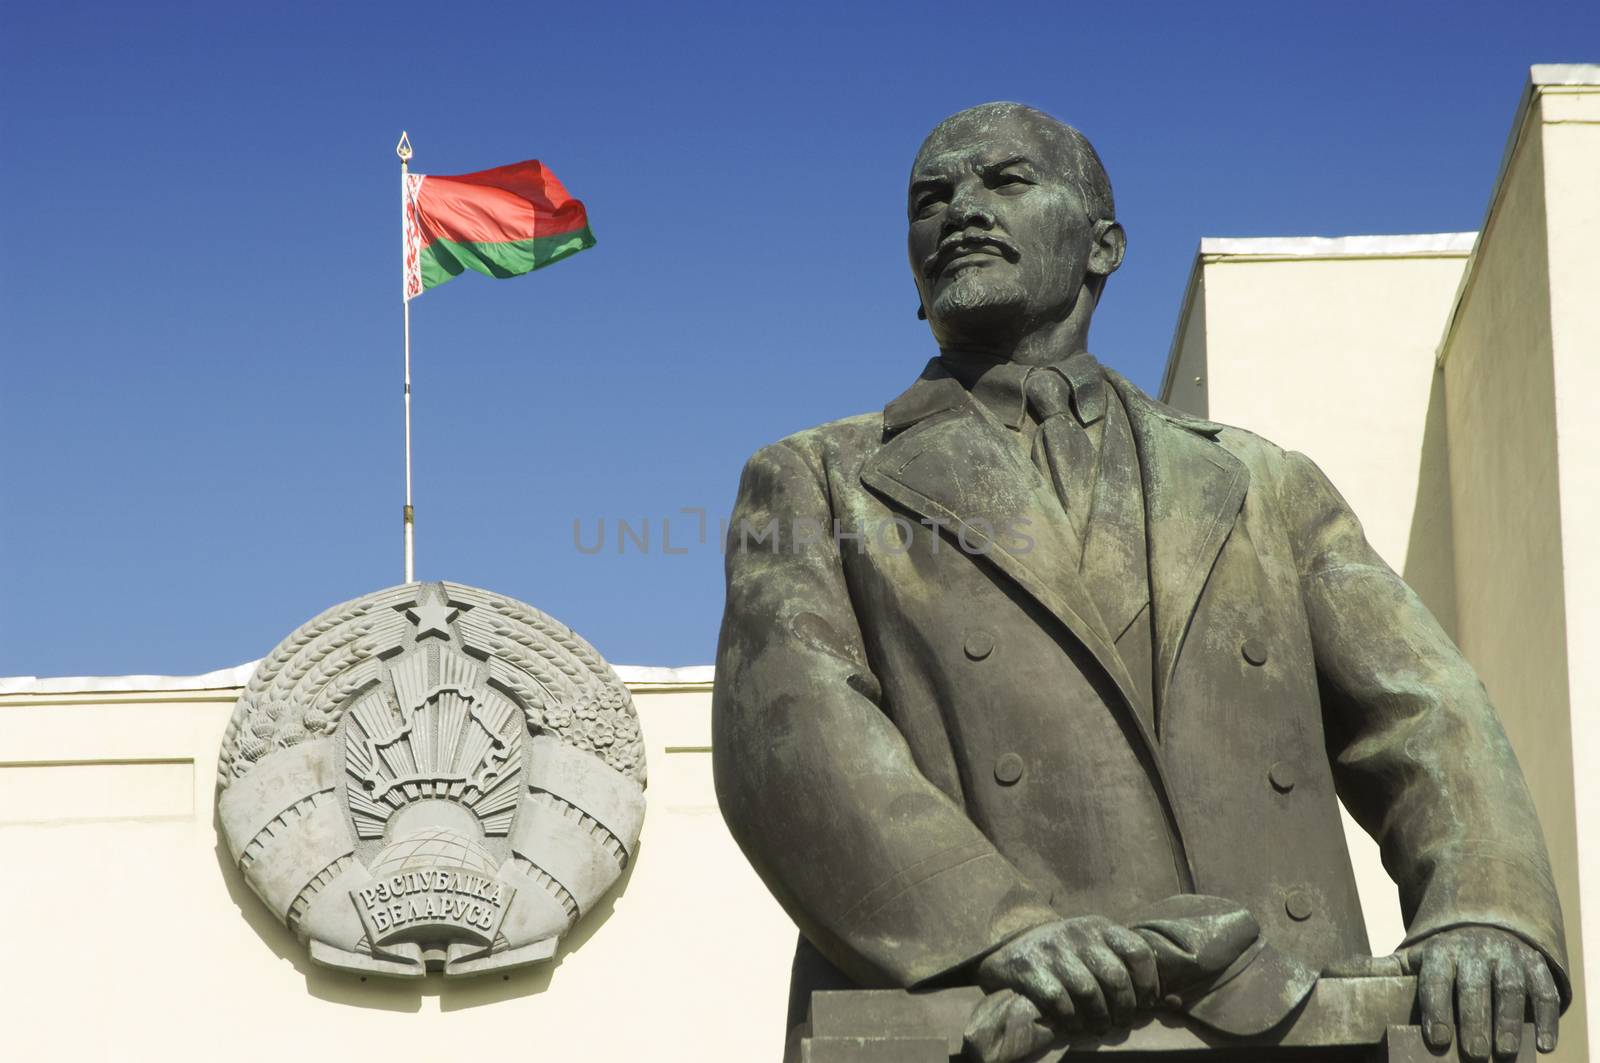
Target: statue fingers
point(1088, 999)
point(1052, 998)
point(1004, 1027)
point(1033, 973)
point(1435, 985)
point(1546, 1003)
point(1116, 985)
point(1006, 966)
point(1140, 960)
point(983, 1038)
point(1473, 1007)
point(1510, 1006)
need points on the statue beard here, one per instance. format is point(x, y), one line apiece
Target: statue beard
point(972, 309)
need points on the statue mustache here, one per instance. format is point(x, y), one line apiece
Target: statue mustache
point(953, 246)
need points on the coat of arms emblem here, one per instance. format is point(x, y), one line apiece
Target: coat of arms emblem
point(432, 778)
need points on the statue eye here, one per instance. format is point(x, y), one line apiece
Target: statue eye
point(1010, 184)
point(926, 205)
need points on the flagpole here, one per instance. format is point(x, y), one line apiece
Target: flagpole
point(403, 150)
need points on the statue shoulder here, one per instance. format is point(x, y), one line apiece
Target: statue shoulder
point(846, 433)
point(1260, 454)
point(820, 453)
point(847, 439)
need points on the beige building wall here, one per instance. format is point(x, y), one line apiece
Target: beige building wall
point(131, 936)
point(1452, 398)
point(1568, 123)
point(1518, 358)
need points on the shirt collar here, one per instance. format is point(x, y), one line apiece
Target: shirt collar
point(1002, 386)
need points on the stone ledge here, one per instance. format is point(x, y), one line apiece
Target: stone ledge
point(1367, 1019)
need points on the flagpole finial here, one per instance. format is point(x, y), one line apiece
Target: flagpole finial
point(403, 149)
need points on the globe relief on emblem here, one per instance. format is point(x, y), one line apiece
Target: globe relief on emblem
point(432, 778)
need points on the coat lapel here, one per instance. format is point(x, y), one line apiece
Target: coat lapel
point(1193, 490)
point(948, 459)
point(955, 464)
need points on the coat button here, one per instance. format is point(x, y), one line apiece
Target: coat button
point(1298, 905)
point(1282, 776)
point(1255, 651)
point(980, 644)
point(1008, 769)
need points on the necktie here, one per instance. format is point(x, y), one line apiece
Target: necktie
point(1062, 450)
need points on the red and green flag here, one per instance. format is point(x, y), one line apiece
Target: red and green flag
point(501, 222)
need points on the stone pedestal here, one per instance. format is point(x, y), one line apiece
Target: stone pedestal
point(1361, 1020)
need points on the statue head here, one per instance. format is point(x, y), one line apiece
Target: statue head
point(1013, 228)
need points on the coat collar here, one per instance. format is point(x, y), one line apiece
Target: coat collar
point(938, 390)
point(1155, 408)
point(935, 391)
point(1003, 386)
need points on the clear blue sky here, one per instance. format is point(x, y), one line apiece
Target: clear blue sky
point(199, 307)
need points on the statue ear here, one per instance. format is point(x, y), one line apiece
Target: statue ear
point(922, 312)
point(1110, 244)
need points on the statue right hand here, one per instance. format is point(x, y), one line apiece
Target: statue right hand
point(1085, 974)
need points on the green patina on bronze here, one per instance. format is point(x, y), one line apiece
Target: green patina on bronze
point(1113, 660)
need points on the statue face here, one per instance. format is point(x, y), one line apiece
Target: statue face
point(1000, 236)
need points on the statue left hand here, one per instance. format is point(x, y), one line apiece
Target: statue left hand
point(1491, 976)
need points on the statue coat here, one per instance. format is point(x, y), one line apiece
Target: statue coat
point(925, 748)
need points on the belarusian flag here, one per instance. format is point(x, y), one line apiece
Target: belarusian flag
point(501, 222)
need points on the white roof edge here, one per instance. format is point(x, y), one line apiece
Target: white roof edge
point(1565, 74)
point(633, 674)
point(221, 679)
point(1339, 246)
point(239, 675)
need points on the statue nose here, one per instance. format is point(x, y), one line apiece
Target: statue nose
point(967, 210)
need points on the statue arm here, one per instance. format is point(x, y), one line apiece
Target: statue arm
point(882, 871)
point(1419, 755)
